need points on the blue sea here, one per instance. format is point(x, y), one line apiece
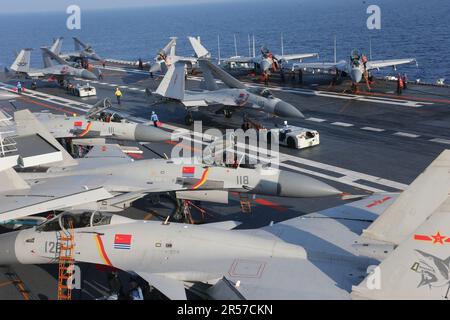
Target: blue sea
point(409, 28)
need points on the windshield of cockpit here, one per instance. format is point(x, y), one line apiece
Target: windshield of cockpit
point(262, 92)
point(75, 220)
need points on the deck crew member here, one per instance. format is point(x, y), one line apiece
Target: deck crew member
point(118, 95)
point(154, 118)
point(19, 87)
point(399, 84)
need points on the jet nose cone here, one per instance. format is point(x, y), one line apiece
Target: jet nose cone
point(265, 65)
point(286, 110)
point(8, 248)
point(301, 186)
point(356, 75)
point(155, 68)
point(86, 74)
point(146, 133)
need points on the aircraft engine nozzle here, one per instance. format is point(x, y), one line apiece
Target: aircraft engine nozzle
point(286, 110)
point(148, 133)
point(300, 186)
point(8, 248)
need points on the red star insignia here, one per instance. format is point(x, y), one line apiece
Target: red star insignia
point(438, 238)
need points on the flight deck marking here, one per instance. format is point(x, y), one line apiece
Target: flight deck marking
point(406, 135)
point(270, 204)
point(372, 129)
point(316, 119)
point(342, 124)
point(439, 140)
point(378, 202)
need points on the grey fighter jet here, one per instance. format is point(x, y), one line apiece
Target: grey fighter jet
point(357, 67)
point(107, 179)
point(237, 97)
point(322, 255)
point(98, 124)
point(82, 51)
point(59, 70)
point(267, 62)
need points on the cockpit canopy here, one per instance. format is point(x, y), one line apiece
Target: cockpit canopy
point(263, 92)
point(77, 220)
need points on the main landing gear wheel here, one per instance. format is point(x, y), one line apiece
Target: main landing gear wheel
point(227, 113)
point(189, 120)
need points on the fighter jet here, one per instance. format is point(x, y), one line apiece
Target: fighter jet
point(82, 51)
point(167, 56)
point(267, 62)
point(237, 97)
point(357, 67)
point(98, 124)
point(322, 255)
point(107, 179)
point(59, 70)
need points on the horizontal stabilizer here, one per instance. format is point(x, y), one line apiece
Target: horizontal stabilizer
point(27, 124)
point(10, 180)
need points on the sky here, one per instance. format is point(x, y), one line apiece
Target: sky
point(24, 6)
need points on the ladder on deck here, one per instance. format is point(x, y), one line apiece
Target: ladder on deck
point(66, 262)
point(246, 206)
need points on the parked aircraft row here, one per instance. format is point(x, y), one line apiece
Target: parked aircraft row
point(323, 255)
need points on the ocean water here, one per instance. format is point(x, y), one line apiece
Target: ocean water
point(409, 28)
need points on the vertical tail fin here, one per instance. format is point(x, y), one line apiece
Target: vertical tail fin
point(169, 49)
point(415, 205)
point(200, 50)
point(419, 223)
point(173, 84)
point(419, 268)
point(56, 46)
point(221, 74)
point(47, 60)
point(22, 62)
point(208, 77)
point(79, 46)
point(48, 54)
